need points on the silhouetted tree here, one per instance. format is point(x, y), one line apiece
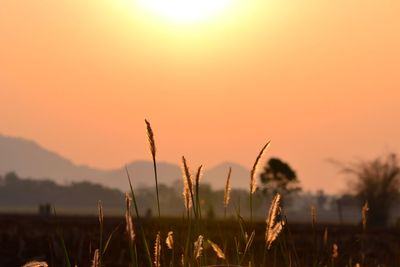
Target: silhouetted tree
point(278, 176)
point(377, 182)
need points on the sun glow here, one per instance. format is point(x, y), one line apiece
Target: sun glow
point(186, 10)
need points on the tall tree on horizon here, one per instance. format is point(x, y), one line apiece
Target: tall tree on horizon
point(279, 177)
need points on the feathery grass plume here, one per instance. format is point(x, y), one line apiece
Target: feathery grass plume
point(187, 185)
point(273, 211)
point(364, 212)
point(227, 193)
point(36, 264)
point(335, 251)
point(197, 188)
point(313, 212)
point(150, 136)
point(186, 173)
point(186, 196)
point(274, 232)
point(218, 251)
point(273, 227)
point(253, 180)
point(128, 219)
point(95, 261)
point(170, 240)
point(157, 250)
point(152, 145)
point(198, 247)
point(199, 174)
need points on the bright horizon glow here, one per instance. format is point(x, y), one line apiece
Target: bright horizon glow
point(185, 10)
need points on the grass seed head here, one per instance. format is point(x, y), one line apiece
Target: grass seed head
point(128, 219)
point(218, 251)
point(170, 240)
point(273, 227)
point(150, 137)
point(253, 180)
point(95, 261)
point(157, 250)
point(227, 188)
point(198, 247)
point(199, 174)
point(274, 232)
point(335, 251)
point(187, 185)
point(36, 264)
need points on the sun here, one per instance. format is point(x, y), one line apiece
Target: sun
point(185, 10)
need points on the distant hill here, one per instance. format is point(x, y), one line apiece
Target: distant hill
point(29, 159)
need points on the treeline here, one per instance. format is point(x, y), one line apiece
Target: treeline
point(26, 195)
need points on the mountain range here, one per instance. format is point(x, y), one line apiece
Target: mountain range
point(29, 159)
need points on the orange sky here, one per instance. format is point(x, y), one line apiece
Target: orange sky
point(321, 80)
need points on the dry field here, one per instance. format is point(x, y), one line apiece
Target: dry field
point(28, 237)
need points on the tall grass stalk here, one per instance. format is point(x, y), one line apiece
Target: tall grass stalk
point(142, 235)
point(60, 235)
point(253, 178)
point(102, 247)
point(197, 186)
point(227, 191)
point(101, 226)
point(249, 242)
point(188, 186)
point(152, 146)
point(130, 232)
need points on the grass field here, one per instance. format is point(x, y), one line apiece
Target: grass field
point(193, 241)
point(28, 237)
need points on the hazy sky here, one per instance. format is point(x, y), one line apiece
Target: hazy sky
point(321, 79)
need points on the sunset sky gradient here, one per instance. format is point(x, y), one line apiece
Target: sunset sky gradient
point(321, 79)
